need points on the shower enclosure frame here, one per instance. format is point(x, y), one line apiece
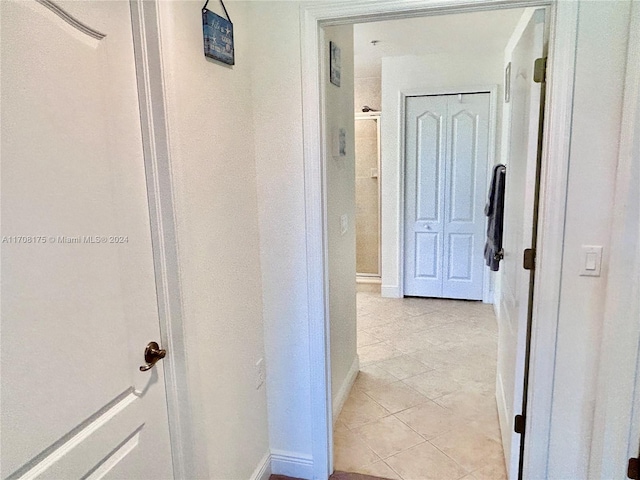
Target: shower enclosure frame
point(375, 278)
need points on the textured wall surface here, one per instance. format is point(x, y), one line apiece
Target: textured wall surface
point(214, 175)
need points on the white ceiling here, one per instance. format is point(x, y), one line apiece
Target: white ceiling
point(477, 32)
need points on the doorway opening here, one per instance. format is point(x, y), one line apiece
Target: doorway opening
point(321, 132)
point(432, 368)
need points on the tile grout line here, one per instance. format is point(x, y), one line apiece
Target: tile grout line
point(479, 326)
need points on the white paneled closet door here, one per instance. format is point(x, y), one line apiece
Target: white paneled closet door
point(446, 157)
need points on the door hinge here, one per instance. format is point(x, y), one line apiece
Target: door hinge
point(518, 424)
point(633, 469)
point(540, 70)
point(529, 259)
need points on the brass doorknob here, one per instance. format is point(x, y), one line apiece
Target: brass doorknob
point(152, 354)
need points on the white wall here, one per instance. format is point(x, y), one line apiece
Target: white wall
point(617, 417)
point(212, 154)
point(277, 120)
point(367, 91)
point(600, 70)
point(341, 200)
point(410, 73)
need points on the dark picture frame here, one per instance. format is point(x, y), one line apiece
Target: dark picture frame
point(335, 64)
point(218, 37)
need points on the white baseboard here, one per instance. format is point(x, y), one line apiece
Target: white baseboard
point(291, 464)
point(263, 470)
point(497, 307)
point(345, 389)
point(497, 313)
point(488, 296)
point(392, 291)
point(368, 279)
point(503, 418)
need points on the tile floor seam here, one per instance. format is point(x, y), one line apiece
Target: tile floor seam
point(426, 439)
point(463, 326)
point(450, 457)
point(402, 451)
point(377, 403)
point(439, 396)
point(372, 450)
point(394, 470)
point(380, 457)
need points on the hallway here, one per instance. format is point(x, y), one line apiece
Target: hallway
point(423, 405)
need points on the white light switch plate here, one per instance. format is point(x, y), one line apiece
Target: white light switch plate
point(591, 260)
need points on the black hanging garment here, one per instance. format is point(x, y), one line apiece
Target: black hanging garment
point(494, 210)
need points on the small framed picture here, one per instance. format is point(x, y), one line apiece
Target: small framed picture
point(334, 63)
point(507, 83)
point(218, 37)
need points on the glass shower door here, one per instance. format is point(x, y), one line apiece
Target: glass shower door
point(367, 152)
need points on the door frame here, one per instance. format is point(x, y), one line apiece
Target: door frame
point(492, 90)
point(155, 140)
point(553, 195)
point(374, 277)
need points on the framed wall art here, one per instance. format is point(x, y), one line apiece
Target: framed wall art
point(218, 35)
point(334, 63)
point(507, 83)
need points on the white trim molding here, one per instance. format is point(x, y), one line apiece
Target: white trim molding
point(368, 279)
point(321, 461)
point(390, 291)
point(263, 470)
point(345, 389)
point(292, 464)
point(155, 139)
point(558, 118)
point(554, 176)
point(71, 20)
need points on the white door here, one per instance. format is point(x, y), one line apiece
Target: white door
point(78, 288)
point(446, 156)
point(518, 231)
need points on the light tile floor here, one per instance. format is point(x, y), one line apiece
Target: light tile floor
point(423, 405)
